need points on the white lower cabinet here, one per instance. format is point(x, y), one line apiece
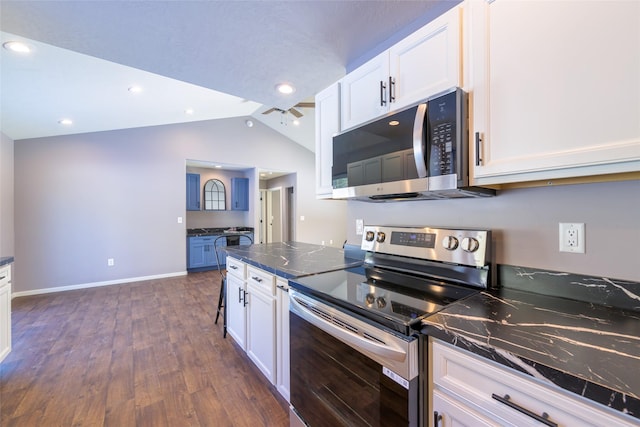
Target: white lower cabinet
point(258, 319)
point(235, 301)
point(467, 391)
point(261, 321)
point(5, 311)
point(450, 412)
point(282, 341)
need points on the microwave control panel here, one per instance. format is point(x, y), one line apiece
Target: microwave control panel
point(443, 118)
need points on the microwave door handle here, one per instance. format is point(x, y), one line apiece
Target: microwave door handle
point(420, 140)
point(381, 350)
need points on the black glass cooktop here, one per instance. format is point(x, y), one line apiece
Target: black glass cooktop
point(395, 300)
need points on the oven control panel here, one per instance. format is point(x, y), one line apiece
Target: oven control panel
point(460, 246)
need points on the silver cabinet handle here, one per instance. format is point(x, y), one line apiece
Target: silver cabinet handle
point(544, 418)
point(233, 267)
point(478, 142)
point(383, 90)
point(257, 279)
point(282, 287)
point(392, 90)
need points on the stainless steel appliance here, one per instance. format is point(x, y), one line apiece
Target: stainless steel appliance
point(353, 333)
point(418, 153)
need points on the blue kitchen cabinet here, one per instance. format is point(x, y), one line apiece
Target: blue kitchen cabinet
point(193, 192)
point(239, 194)
point(201, 252)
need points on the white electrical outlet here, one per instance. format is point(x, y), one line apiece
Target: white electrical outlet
point(572, 237)
point(110, 262)
point(359, 227)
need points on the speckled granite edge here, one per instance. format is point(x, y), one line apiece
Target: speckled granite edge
point(622, 294)
point(6, 260)
point(594, 392)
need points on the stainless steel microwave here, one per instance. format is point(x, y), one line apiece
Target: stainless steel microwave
point(417, 153)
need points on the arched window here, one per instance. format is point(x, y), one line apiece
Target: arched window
point(214, 196)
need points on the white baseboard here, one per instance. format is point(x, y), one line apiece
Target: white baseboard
point(95, 284)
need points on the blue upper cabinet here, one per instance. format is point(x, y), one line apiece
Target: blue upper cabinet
point(193, 192)
point(239, 194)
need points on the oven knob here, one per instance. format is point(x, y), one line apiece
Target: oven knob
point(470, 244)
point(381, 302)
point(370, 299)
point(381, 237)
point(369, 236)
point(450, 243)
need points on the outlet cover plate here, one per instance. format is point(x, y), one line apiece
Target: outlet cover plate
point(572, 237)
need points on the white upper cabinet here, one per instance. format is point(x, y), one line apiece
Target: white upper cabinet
point(423, 64)
point(554, 89)
point(327, 125)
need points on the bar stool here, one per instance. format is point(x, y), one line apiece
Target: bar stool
point(223, 278)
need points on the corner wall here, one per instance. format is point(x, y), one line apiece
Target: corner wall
point(80, 199)
point(7, 238)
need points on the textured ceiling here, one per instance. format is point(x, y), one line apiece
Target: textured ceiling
point(240, 48)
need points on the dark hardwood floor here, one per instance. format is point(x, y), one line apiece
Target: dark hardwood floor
point(140, 354)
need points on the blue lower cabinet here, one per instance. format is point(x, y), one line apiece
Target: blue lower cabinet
point(201, 252)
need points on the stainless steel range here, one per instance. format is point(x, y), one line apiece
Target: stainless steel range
point(353, 333)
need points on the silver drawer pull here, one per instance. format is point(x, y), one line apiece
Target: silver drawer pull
point(544, 418)
point(2, 277)
point(233, 267)
point(282, 287)
point(257, 279)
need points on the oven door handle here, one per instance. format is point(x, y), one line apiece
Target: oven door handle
point(355, 340)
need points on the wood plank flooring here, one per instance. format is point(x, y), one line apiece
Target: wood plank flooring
point(140, 354)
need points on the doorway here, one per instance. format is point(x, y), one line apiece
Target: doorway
point(276, 215)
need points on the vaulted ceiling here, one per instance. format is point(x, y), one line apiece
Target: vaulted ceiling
point(217, 58)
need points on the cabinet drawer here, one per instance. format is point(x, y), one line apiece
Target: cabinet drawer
point(476, 381)
point(262, 279)
point(5, 275)
point(236, 268)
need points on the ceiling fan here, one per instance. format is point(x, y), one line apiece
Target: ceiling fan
point(292, 110)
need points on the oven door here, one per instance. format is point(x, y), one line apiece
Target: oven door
point(345, 372)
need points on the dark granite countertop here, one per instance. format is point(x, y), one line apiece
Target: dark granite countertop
point(583, 347)
point(6, 260)
point(293, 259)
point(197, 232)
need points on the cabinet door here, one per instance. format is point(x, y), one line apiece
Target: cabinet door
point(327, 124)
point(282, 351)
point(364, 92)
point(193, 192)
point(239, 194)
point(450, 412)
point(549, 102)
point(428, 61)
point(5, 312)
point(196, 253)
point(235, 310)
point(261, 330)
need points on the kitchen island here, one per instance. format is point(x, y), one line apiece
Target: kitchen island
point(257, 299)
point(578, 345)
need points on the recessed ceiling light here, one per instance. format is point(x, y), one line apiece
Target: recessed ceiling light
point(19, 47)
point(189, 111)
point(66, 122)
point(218, 166)
point(394, 123)
point(285, 88)
point(296, 122)
point(249, 123)
point(134, 89)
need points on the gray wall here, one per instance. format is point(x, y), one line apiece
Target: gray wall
point(6, 196)
point(81, 199)
point(525, 224)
